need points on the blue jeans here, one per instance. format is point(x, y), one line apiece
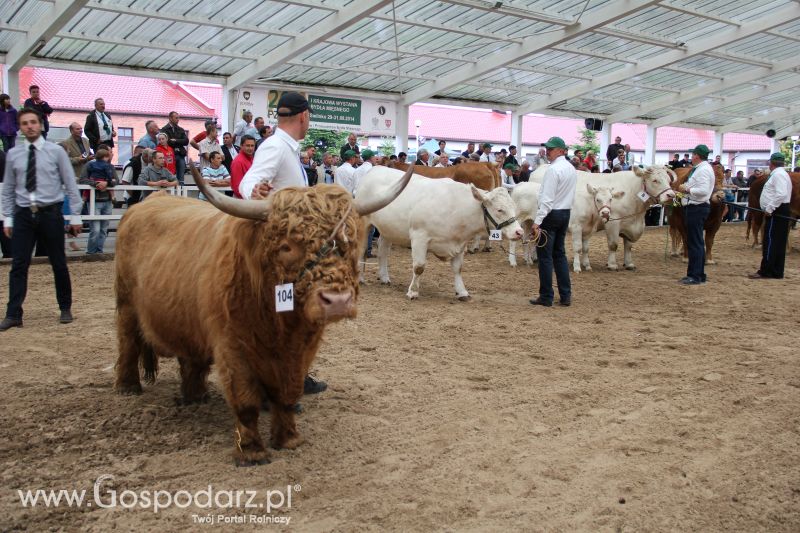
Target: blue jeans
point(370, 236)
point(696, 216)
point(180, 168)
point(552, 256)
point(98, 228)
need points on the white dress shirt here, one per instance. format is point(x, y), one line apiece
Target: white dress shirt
point(508, 181)
point(700, 184)
point(485, 157)
point(777, 190)
point(103, 135)
point(276, 162)
point(345, 176)
point(558, 188)
point(359, 173)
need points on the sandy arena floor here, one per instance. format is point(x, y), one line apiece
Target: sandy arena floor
point(646, 406)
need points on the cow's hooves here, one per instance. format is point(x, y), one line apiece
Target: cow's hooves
point(587, 269)
point(412, 295)
point(385, 282)
point(674, 254)
point(182, 402)
point(630, 267)
point(613, 269)
point(129, 390)
point(466, 298)
point(487, 249)
point(711, 262)
point(244, 463)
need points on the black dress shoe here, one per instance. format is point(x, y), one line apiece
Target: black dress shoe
point(9, 323)
point(313, 386)
point(539, 301)
point(66, 316)
point(565, 303)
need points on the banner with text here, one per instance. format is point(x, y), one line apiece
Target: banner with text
point(365, 116)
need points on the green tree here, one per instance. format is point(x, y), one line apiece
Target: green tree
point(387, 146)
point(785, 148)
point(588, 141)
point(334, 140)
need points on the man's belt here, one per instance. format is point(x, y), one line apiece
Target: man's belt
point(44, 208)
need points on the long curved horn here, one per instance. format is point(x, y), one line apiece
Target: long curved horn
point(251, 209)
point(365, 207)
point(672, 174)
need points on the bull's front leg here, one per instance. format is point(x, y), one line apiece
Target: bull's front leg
point(476, 243)
point(577, 248)
point(612, 236)
point(461, 290)
point(628, 245)
point(512, 254)
point(283, 429)
point(675, 240)
point(587, 266)
point(244, 397)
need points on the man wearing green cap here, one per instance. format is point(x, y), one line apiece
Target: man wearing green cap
point(552, 220)
point(486, 153)
point(775, 199)
point(698, 187)
point(345, 174)
point(508, 176)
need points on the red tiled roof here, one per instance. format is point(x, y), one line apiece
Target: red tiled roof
point(209, 94)
point(449, 123)
point(70, 90)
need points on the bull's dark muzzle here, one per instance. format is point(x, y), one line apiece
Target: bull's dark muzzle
point(336, 304)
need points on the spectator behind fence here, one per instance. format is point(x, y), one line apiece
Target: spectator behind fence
point(351, 145)
point(77, 148)
point(197, 139)
point(209, 145)
point(326, 169)
point(178, 141)
point(263, 133)
point(229, 150)
point(102, 176)
point(242, 163)
point(215, 174)
point(469, 151)
point(169, 154)
point(36, 103)
point(612, 152)
point(149, 139)
point(98, 127)
point(155, 175)
point(422, 157)
point(133, 169)
point(241, 127)
point(254, 130)
point(9, 124)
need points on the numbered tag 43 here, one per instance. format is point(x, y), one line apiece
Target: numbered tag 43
point(284, 297)
point(495, 235)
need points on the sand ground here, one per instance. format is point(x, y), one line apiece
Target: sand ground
point(646, 406)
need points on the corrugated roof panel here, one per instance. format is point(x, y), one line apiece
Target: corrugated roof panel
point(25, 13)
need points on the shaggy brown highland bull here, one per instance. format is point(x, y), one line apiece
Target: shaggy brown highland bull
point(483, 175)
point(677, 221)
point(233, 253)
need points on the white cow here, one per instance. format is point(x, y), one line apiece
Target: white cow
point(642, 188)
point(437, 215)
point(587, 213)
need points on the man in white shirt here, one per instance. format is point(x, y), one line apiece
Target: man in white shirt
point(276, 164)
point(345, 174)
point(698, 187)
point(443, 161)
point(486, 153)
point(775, 201)
point(552, 220)
point(209, 145)
point(508, 176)
point(241, 127)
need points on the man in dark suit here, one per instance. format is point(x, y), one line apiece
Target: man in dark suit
point(613, 151)
point(35, 102)
point(98, 127)
point(351, 145)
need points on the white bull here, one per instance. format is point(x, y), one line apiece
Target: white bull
point(642, 188)
point(587, 213)
point(436, 215)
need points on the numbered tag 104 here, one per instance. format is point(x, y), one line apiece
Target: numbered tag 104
point(495, 235)
point(284, 297)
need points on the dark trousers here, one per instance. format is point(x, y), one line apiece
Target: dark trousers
point(180, 167)
point(48, 224)
point(552, 256)
point(696, 215)
point(5, 243)
point(776, 234)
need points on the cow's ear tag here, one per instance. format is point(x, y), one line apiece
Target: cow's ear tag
point(643, 196)
point(495, 235)
point(284, 297)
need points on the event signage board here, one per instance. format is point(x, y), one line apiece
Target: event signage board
point(365, 116)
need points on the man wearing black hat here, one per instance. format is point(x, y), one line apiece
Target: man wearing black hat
point(775, 199)
point(276, 164)
point(698, 187)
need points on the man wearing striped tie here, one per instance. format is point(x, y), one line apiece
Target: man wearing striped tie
point(277, 165)
point(37, 173)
